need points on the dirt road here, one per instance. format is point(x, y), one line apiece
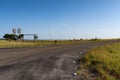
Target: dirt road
point(43, 63)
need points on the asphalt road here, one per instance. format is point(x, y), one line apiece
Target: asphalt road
point(43, 63)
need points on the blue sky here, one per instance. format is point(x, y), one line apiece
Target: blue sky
point(62, 19)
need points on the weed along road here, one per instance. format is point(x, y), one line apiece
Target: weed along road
point(43, 63)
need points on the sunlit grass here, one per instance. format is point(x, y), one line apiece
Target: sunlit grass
point(29, 43)
point(104, 62)
point(13, 44)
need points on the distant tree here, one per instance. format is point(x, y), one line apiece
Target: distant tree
point(95, 39)
point(21, 36)
point(6, 36)
point(10, 37)
point(70, 40)
point(13, 37)
point(55, 41)
point(74, 39)
point(81, 39)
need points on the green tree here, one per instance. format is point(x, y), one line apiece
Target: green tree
point(21, 36)
point(6, 36)
point(10, 37)
point(13, 37)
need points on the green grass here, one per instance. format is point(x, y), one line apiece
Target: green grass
point(15, 44)
point(103, 61)
point(29, 43)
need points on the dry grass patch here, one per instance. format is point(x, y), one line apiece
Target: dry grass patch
point(15, 44)
point(104, 62)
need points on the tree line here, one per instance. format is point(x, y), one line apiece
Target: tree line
point(10, 37)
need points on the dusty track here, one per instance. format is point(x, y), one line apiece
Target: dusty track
point(43, 63)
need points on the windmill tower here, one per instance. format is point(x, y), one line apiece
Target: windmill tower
point(14, 31)
point(19, 31)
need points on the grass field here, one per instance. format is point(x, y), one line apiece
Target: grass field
point(104, 62)
point(28, 43)
point(15, 44)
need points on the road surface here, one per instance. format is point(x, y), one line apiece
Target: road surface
point(43, 63)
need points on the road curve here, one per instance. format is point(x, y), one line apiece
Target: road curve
point(43, 63)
